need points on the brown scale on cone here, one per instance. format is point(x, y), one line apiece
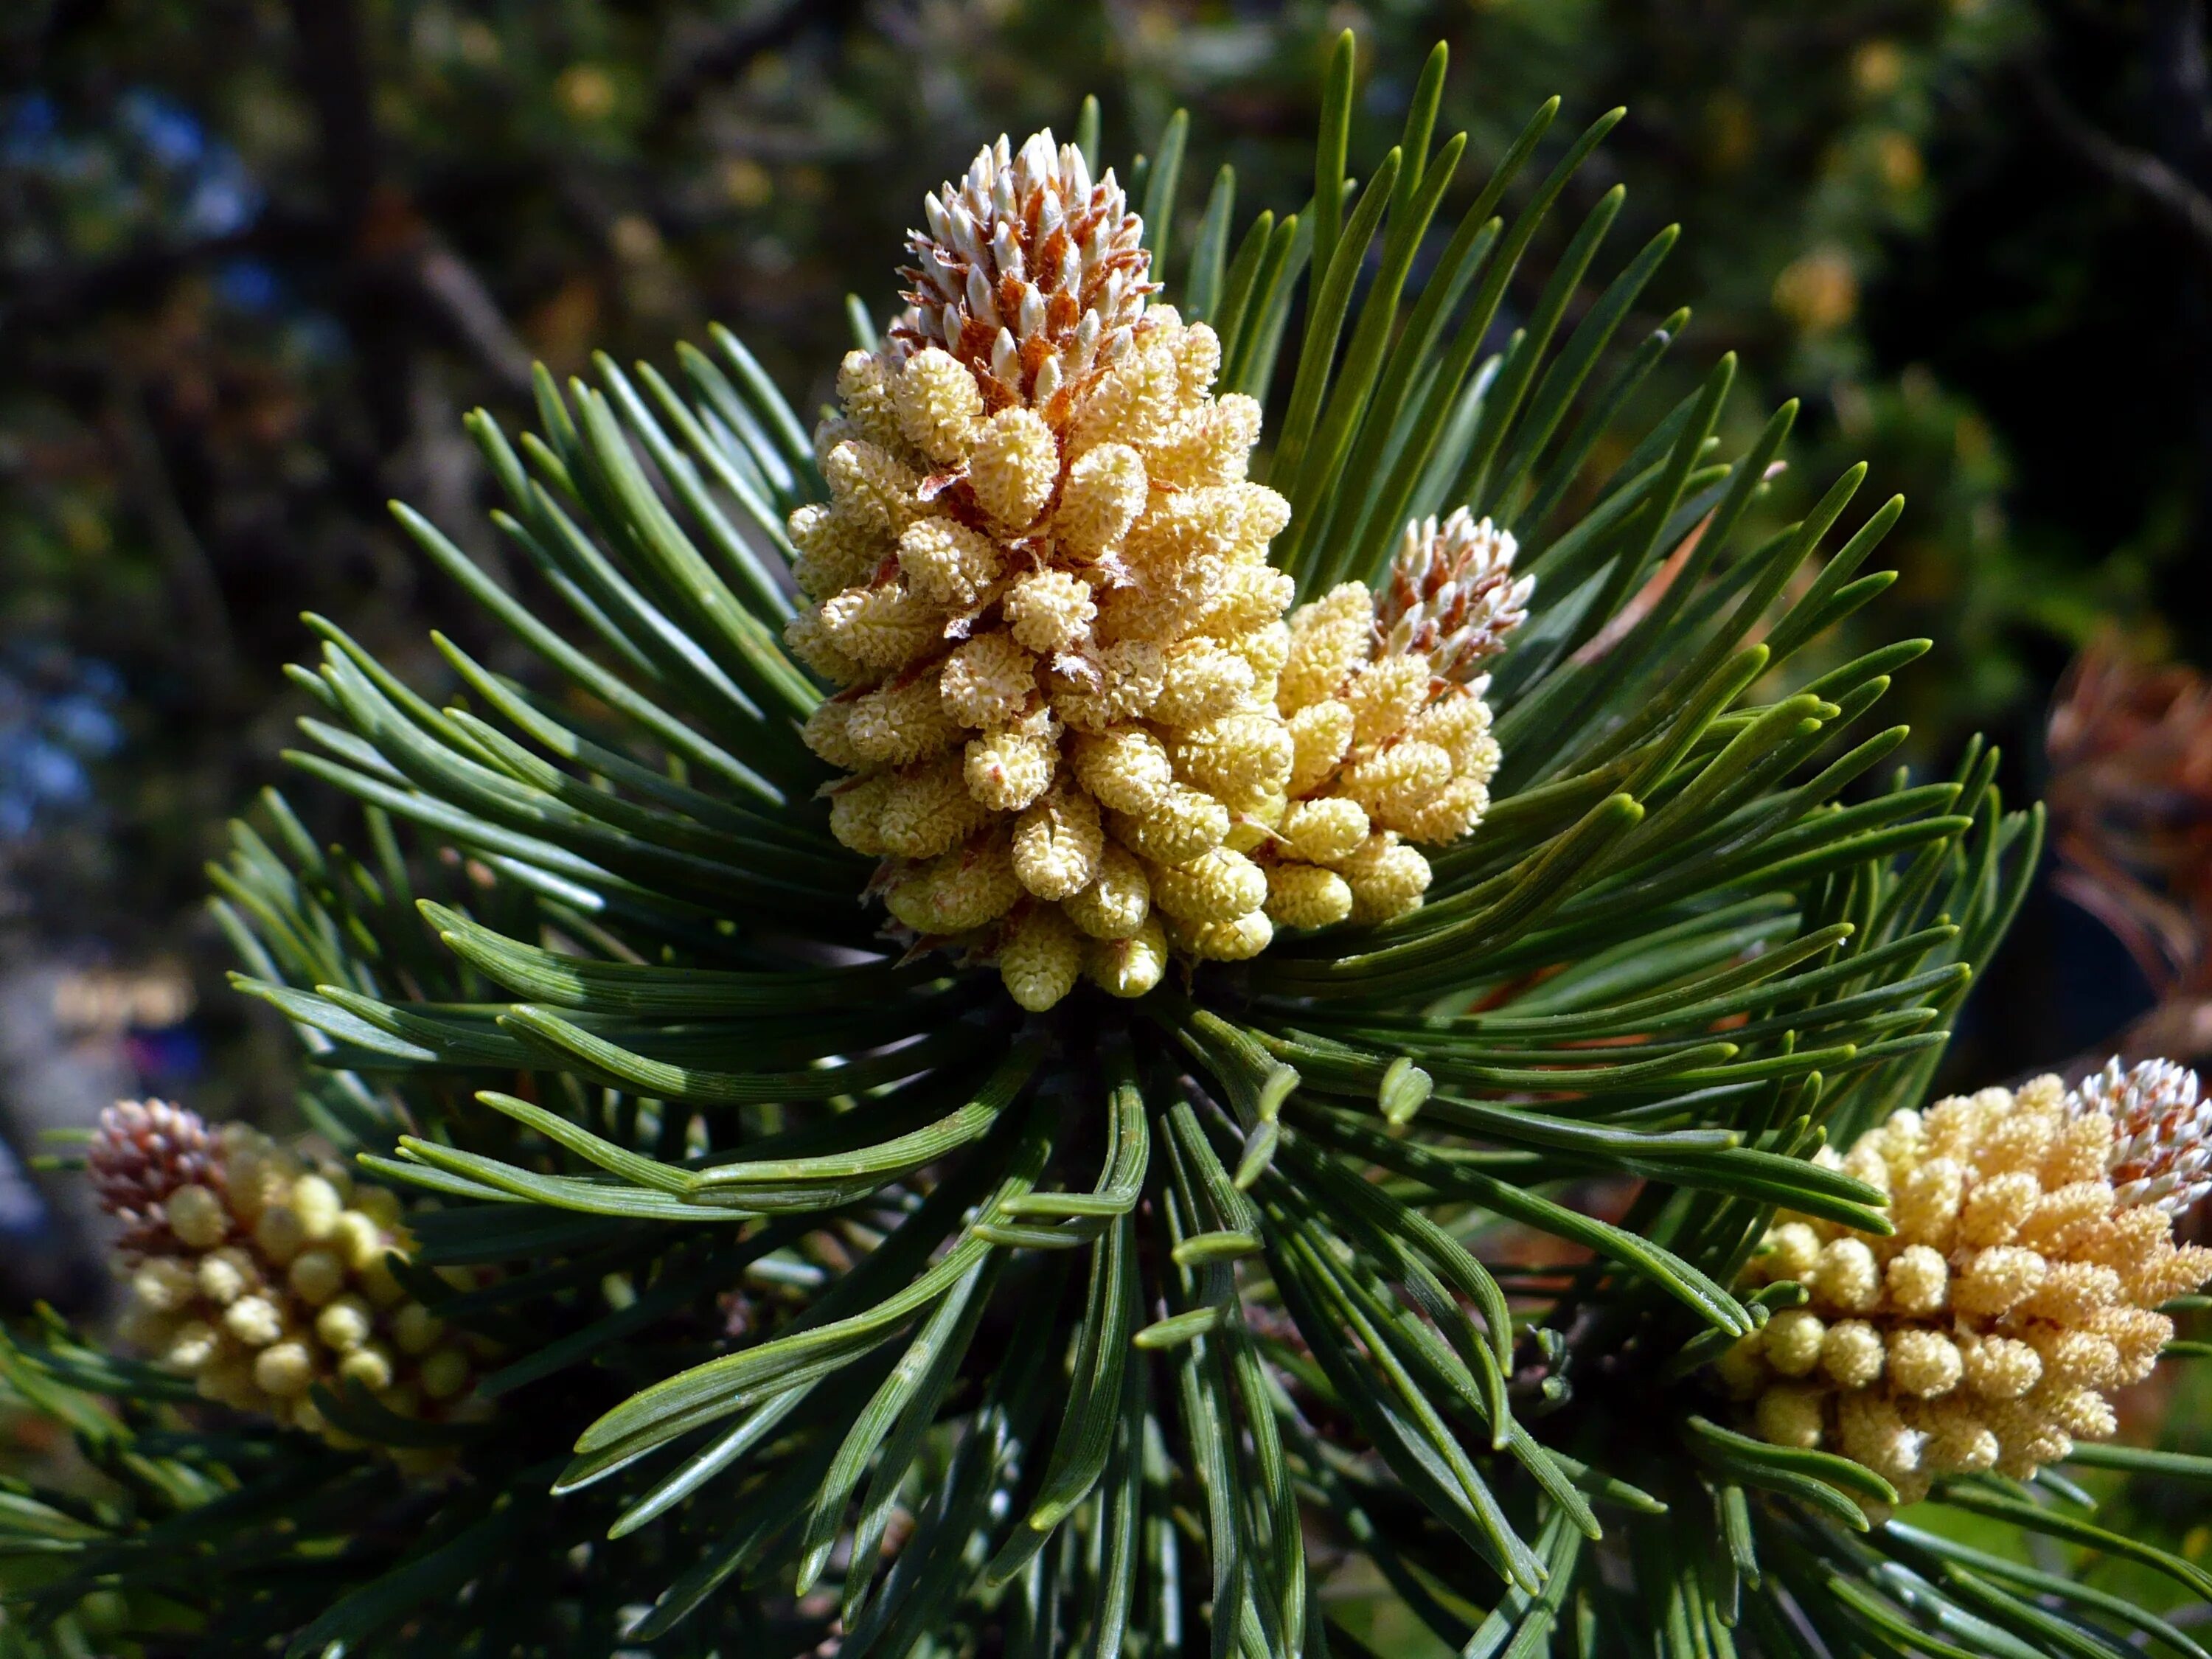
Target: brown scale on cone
point(144, 1151)
point(2020, 1290)
point(1451, 595)
point(1028, 276)
point(2162, 1127)
point(1041, 585)
point(261, 1275)
point(1384, 701)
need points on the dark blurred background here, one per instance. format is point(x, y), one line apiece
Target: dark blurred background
point(258, 257)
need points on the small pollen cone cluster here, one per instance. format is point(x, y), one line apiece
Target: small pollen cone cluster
point(1389, 733)
point(261, 1275)
point(2020, 1288)
point(1042, 583)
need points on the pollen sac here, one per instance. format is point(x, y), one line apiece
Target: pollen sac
point(956, 892)
point(1039, 956)
point(1129, 966)
point(1387, 878)
point(897, 723)
point(1015, 468)
point(1041, 596)
point(1125, 767)
point(2033, 1245)
point(1218, 885)
point(1223, 941)
point(1389, 733)
point(1051, 611)
point(939, 405)
point(1306, 895)
point(1325, 831)
point(1186, 823)
point(926, 811)
point(1105, 493)
point(1057, 845)
point(988, 682)
point(948, 563)
point(1009, 767)
point(1118, 899)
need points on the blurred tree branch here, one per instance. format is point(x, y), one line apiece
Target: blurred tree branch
point(716, 60)
point(459, 297)
point(2175, 51)
point(207, 637)
point(2181, 85)
point(382, 234)
point(2138, 172)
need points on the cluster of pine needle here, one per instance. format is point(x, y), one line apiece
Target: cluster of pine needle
point(829, 1267)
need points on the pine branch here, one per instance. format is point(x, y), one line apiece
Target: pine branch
point(2149, 178)
point(946, 1105)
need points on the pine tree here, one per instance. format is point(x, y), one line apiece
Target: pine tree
point(1169, 1186)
